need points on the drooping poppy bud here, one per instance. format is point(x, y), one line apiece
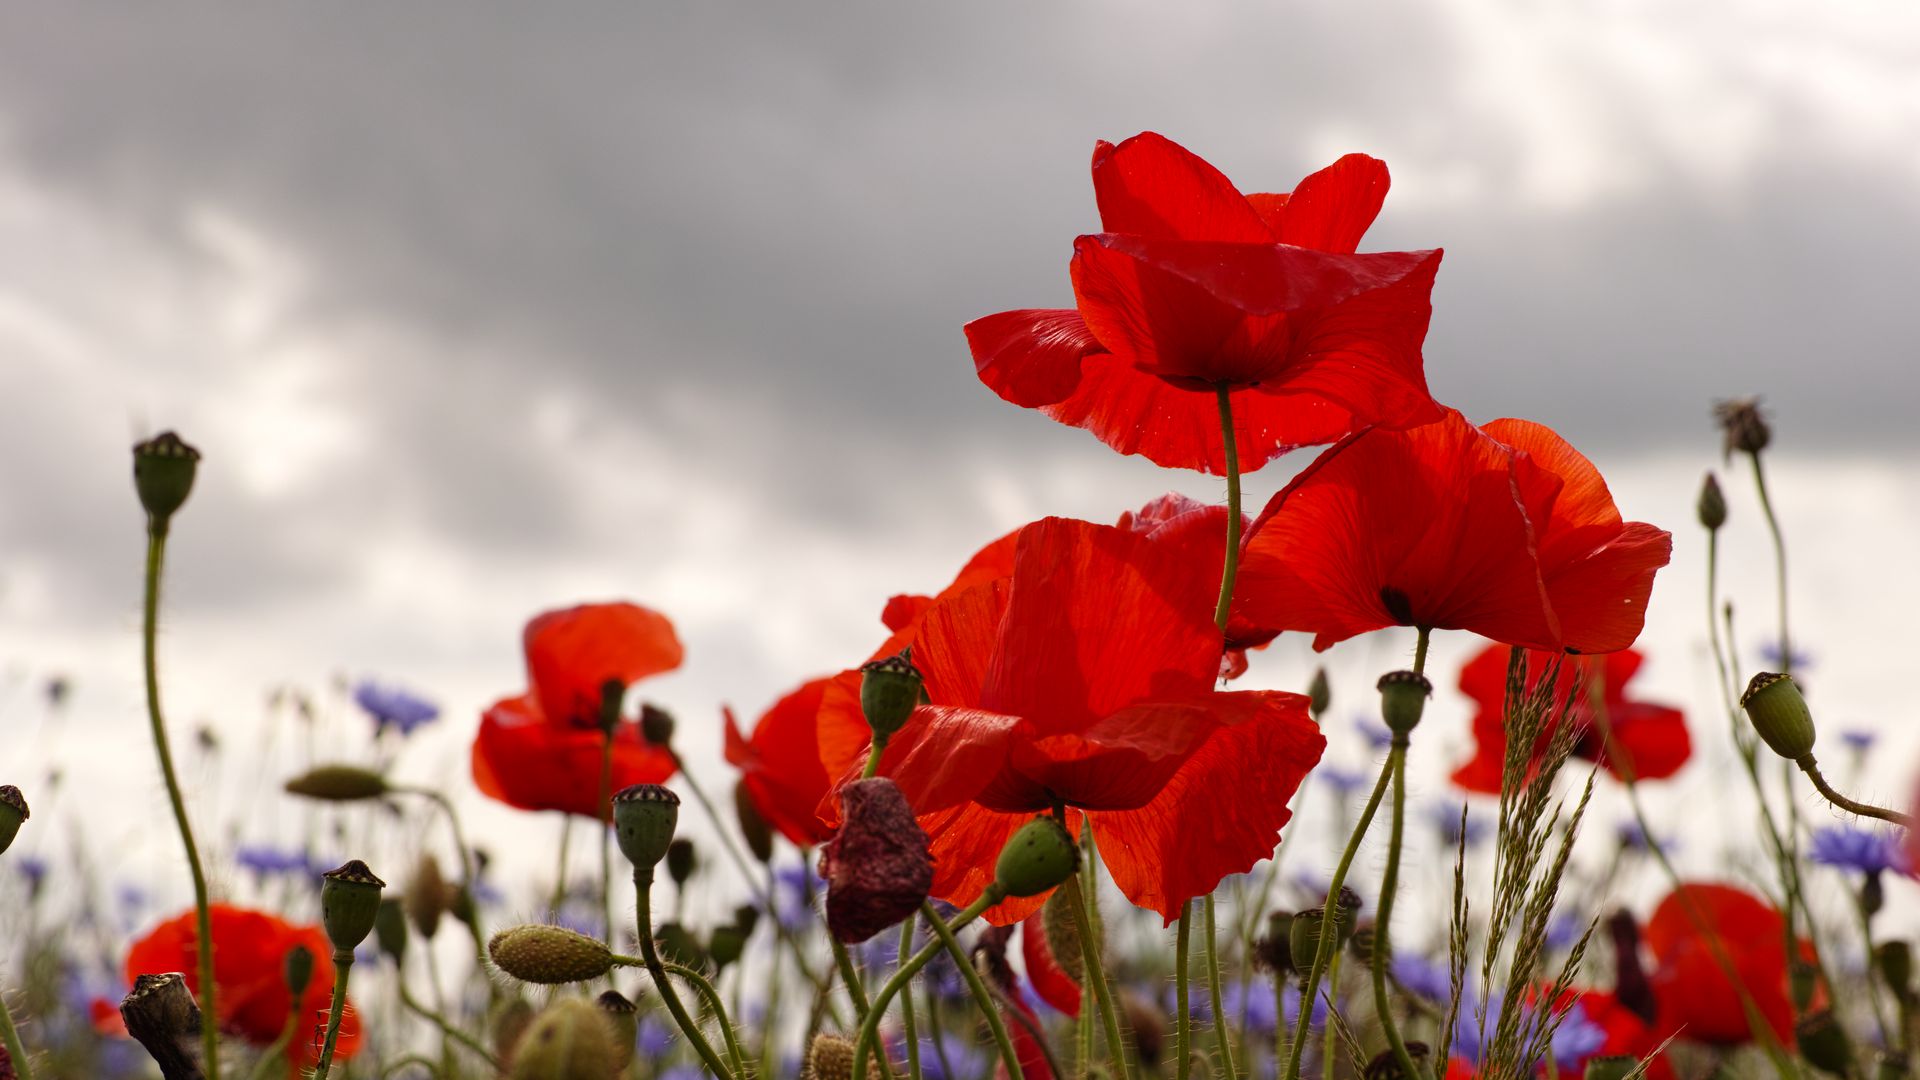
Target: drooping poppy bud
point(1403, 698)
point(390, 929)
point(623, 1022)
point(753, 826)
point(570, 1040)
point(644, 818)
point(338, 783)
point(656, 725)
point(1062, 932)
point(163, 469)
point(1712, 505)
point(349, 902)
point(13, 811)
point(1742, 427)
point(1779, 714)
point(878, 867)
point(1275, 951)
point(549, 955)
point(1037, 858)
point(1319, 693)
point(1386, 1065)
point(681, 860)
point(298, 970)
point(890, 689)
point(725, 945)
point(1824, 1043)
point(1613, 1067)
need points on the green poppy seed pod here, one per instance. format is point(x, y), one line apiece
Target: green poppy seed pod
point(549, 955)
point(725, 944)
point(163, 469)
point(753, 826)
point(1386, 1065)
point(508, 1025)
point(644, 817)
point(13, 811)
point(1893, 960)
point(1824, 1043)
point(390, 929)
point(681, 860)
point(1403, 698)
point(1712, 505)
point(1779, 713)
point(1275, 951)
point(1319, 693)
point(298, 970)
point(570, 1040)
point(656, 725)
point(1612, 1067)
point(623, 1022)
point(1038, 857)
point(349, 903)
point(890, 690)
point(1802, 979)
point(338, 783)
point(1063, 937)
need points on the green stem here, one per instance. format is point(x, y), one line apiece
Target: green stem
point(560, 872)
point(870, 1027)
point(446, 1027)
point(606, 828)
point(650, 953)
point(901, 956)
point(1779, 559)
point(342, 968)
point(1808, 766)
point(1231, 569)
point(1323, 955)
point(873, 758)
point(1182, 975)
point(711, 995)
point(11, 1039)
point(726, 835)
point(274, 1057)
point(1220, 1028)
point(203, 943)
point(1327, 1036)
point(1383, 918)
point(856, 990)
point(1097, 977)
point(980, 996)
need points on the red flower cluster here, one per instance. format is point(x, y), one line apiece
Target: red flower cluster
point(542, 749)
point(1651, 738)
point(249, 972)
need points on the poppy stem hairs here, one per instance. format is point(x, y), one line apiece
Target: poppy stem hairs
point(349, 904)
point(870, 1027)
point(163, 471)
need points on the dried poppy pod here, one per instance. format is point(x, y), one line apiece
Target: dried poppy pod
point(163, 470)
point(1743, 427)
point(13, 811)
point(571, 1039)
point(549, 955)
point(162, 1016)
point(644, 818)
point(349, 904)
point(878, 867)
point(1779, 714)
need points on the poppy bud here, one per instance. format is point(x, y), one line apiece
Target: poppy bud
point(161, 1014)
point(426, 896)
point(758, 833)
point(549, 955)
point(1386, 1065)
point(623, 1022)
point(349, 902)
point(1894, 962)
point(1742, 427)
point(1148, 1022)
point(680, 860)
point(1062, 932)
point(725, 945)
point(1712, 505)
point(298, 970)
point(1612, 1067)
point(507, 1026)
point(613, 694)
point(1038, 857)
point(1403, 697)
point(890, 689)
point(390, 929)
point(163, 469)
point(656, 725)
point(13, 811)
point(746, 917)
point(569, 1040)
point(878, 866)
point(644, 817)
point(1824, 1043)
point(1275, 951)
point(830, 1057)
point(678, 944)
point(1802, 979)
point(1779, 714)
point(338, 783)
point(1873, 894)
point(1319, 693)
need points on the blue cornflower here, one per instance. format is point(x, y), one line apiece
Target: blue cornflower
point(1859, 740)
point(1863, 850)
point(1252, 1007)
point(1576, 1039)
point(1423, 978)
point(1564, 930)
point(1376, 733)
point(1771, 656)
point(1446, 818)
point(392, 707)
point(654, 1038)
point(951, 1058)
point(266, 860)
point(1342, 781)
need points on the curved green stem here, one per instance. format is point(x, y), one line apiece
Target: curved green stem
point(1182, 975)
point(870, 1027)
point(650, 953)
point(1220, 1028)
point(342, 968)
point(275, 1055)
point(856, 990)
point(414, 1005)
point(706, 990)
point(901, 956)
point(1808, 766)
point(1389, 883)
point(203, 922)
point(980, 996)
point(393, 1068)
point(10, 1038)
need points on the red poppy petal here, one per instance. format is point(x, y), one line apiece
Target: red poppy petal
point(1221, 813)
point(1153, 186)
point(1137, 413)
point(1120, 762)
point(525, 763)
point(903, 610)
point(1031, 357)
point(946, 755)
point(966, 842)
point(1600, 600)
point(800, 746)
point(573, 653)
point(1653, 737)
point(953, 644)
point(1054, 985)
point(1331, 209)
point(1694, 992)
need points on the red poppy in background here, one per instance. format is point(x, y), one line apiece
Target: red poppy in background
point(1652, 738)
point(798, 748)
point(1695, 998)
point(1086, 677)
point(249, 972)
point(1193, 285)
point(542, 749)
point(1504, 530)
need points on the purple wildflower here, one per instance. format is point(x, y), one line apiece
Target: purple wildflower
point(392, 707)
point(1865, 851)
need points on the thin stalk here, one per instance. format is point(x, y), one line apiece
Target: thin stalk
point(1231, 568)
point(1097, 977)
point(1808, 766)
point(1873, 983)
point(203, 943)
point(650, 954)
point(980, 995)
point(11, 1039)
point(342, 968)
point(726, 835)
point(446, 1027)
point(1182, 974)
point(606, 827)
point(1383, 918)
point(1779, 559)
point(711, 995)
point(393, 1069)
point(901, 956)
point(1328, 1036)
point(870, 1027)
point(1220, 1030)
point(873, 758)
point(560, 872)
point(856, 990)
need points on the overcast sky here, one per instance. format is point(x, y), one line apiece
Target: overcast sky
point(476, 312)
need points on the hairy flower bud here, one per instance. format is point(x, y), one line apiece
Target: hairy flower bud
point(878, 866)
point(1779, 714)
point(754, 827)
point(349, 902)
point(1037, 858)
point(570, 1040)
point(890, 689)
point(13, 811)
point(1062, 932)
point(163, 469)
point(1403, 698)
point(1712, 505)
point(1319, 693)
point(338, 783)
point(623, 1022)
point(549, 955)
point(830, 1057)
point(644, 817)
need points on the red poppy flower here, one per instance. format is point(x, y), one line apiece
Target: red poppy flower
point(1693, 993)
point(249, 972)
point(1200, 530)
point(542, 749)
point(1503, 530)
point(1085, 679)
point(1628, 1035)
point(809, 738)
point(1193, 285)
point(1653, 738)
point(1054, 985)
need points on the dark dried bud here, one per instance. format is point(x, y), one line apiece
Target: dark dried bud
point(1275, 951)
point(746, 917)
point(1319, 693)
point(163, 469)
point(644, 817)
point(725, 945)
point(426, 896)
point(1386, 1066)
point(1742, 427)
point(1149, 1024)
point(878, 866)
point(298, 971)
point(1361, 943)
point(623, 1021)
point(1037, 858)
point(349, 903)
point(890, 689)
point(338, 783)
point(1824, 1043)
point(1612, 1067)
point(570, 1040)
point(1712, 505)
point(161, 1014)
point(681, 860)
point(1893, 960)
point(656, 724)
point(678, 944)
point(549, 955)
point(758, 833)
point(13, 811)
point(1779, 714)
point(1403, 698)
point(390, 929)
